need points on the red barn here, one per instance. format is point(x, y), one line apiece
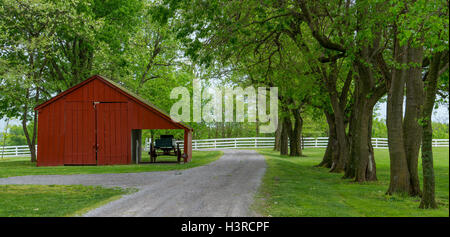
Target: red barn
point(98, 122)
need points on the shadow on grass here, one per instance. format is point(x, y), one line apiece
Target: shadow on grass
point(292, 186)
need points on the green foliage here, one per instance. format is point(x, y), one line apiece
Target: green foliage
point(379, 129)
point(440, 130)
point(15, 137)
point(48, 46)
point(315, 126)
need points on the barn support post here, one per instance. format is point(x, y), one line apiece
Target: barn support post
point(136, 145)
point(188, 145)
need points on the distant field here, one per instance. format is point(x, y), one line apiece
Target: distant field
point(293, 187)
point(19, 166)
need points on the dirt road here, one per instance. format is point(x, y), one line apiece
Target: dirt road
point(225, 187)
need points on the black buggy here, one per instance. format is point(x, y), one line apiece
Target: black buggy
point(167, 146)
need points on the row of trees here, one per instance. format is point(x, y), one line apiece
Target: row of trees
point(339, 57)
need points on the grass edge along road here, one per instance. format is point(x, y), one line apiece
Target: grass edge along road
point(22, 166)
point(54, 200)
point(293, 187)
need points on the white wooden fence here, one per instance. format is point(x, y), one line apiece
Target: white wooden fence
point(268, 142)
point(233, 143)
point(13, 151)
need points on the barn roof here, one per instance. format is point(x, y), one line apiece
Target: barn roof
point(118, 87)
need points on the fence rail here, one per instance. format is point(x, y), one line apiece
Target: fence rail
point(268, 142)
point(233, 143)
point(14, 151)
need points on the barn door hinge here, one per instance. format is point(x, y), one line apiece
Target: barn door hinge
point(95, 103)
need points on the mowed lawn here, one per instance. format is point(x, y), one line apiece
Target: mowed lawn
point(70, 200)
point(22, 166)
point(293, 187)
point(53, 200)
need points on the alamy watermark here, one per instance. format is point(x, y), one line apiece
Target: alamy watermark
point(219, 105)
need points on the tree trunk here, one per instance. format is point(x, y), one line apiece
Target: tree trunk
point(411, 129)
point(338, 107)
point(278, 137)
point(257, 122)
point(295, 134)
point(31, 141)
point(217, 130)
point(361, 164)
point(299, 132)
point(428, 195)
point(222, 128)
point(399, 173)
point(339, 162)
point(4, 137)
point(332, 147)
point(284, 135)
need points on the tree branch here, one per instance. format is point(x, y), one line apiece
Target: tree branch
point(323, 41)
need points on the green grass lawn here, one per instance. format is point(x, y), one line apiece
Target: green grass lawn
point(22, 166)
point(53, 200)
point(293, 187)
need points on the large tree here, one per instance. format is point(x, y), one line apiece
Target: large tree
point(48, 46)
point(29, 33)
point(416, 30)
point(245, 37)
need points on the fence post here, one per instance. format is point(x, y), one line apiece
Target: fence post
point(215, 145)
point(235, 143)
point(17, 151)
point(256, 143)
point(315, 144)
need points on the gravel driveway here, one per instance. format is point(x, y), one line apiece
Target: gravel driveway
point(222, 188)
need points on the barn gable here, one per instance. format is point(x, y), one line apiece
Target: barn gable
point(92, 90)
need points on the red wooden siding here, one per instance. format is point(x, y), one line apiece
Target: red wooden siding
point(79, 126)
point(112, 135)
point(70, 128)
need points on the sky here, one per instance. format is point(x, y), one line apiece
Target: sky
point(439, 115)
